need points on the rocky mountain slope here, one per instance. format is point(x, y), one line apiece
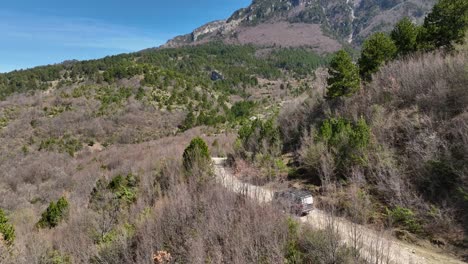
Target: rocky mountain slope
point(321, 24)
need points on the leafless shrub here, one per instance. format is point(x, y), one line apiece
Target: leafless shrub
point(333, 240)
point(359, 211)
point(211, 224)
point(74, 238)
point(316, 157)
point(5, 252)
point(31, 180)
point(434, 82)
point(295, 118)
point(379, 249)
point(324, 247)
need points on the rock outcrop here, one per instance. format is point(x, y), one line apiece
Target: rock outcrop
point(338, 21)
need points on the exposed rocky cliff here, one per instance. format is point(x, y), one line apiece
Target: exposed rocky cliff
point(324, 25)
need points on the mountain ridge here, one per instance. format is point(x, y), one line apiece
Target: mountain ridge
point(326, 26)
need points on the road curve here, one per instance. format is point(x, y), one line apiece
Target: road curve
point(375, 247)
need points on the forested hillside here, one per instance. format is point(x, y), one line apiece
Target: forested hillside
point(169, 83)
point(109, 160)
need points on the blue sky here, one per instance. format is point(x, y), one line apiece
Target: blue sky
point(43, 32)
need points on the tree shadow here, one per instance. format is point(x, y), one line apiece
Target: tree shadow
point(305, 176)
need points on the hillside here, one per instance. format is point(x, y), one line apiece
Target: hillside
point(110, 160)
point(104, 139)
point(410, 173)
point(323, 25)
point(143, 96)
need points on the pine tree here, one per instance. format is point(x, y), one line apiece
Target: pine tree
point(377, 50)
point(189, 122)
point(405, 36)
point(344, 77)
point(446, 24)
point(54, 214)
point(196, 158)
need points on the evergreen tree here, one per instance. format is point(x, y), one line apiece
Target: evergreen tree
point(54, 214)
point(405, 36)
point(7, 231)
point(196, 158)
point(261, 137)
point(344, 77)
point(189, 121)
point(376, 51)
point(446, 24)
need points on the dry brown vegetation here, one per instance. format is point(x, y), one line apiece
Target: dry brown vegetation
point(192, 222)
point(31, 178)
point(415, 166)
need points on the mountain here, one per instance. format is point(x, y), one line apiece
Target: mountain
point(107, 160)
point(324, 25)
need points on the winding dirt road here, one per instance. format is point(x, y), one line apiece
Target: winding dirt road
point(375, 247)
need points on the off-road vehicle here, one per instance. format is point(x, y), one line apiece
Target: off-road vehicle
point(294, 201)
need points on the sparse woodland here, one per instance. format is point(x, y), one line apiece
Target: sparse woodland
point(108, 161)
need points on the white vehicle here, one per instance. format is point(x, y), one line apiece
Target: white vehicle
point(299, 202)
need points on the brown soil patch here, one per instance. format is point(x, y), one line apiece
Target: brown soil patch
point(286, 34)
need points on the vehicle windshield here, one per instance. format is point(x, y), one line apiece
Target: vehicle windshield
point(308, 200)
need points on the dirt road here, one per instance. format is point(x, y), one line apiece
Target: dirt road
point(376, 247)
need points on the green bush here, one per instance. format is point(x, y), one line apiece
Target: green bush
point(404, 218)
point(56, 110)
point(261, 137)
point(54, 214)
point(189, 122)
point(110, 96)
point(108, 199)
point(242, 109)
point(67, 144)
point(7, 231)
point(339, 131)
point(260, 143)
point(123, 189)
point(55, 257)
point(293, 253)
point(140, 94)
point(3, 122)
point(347, 141)
point(316, 246)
